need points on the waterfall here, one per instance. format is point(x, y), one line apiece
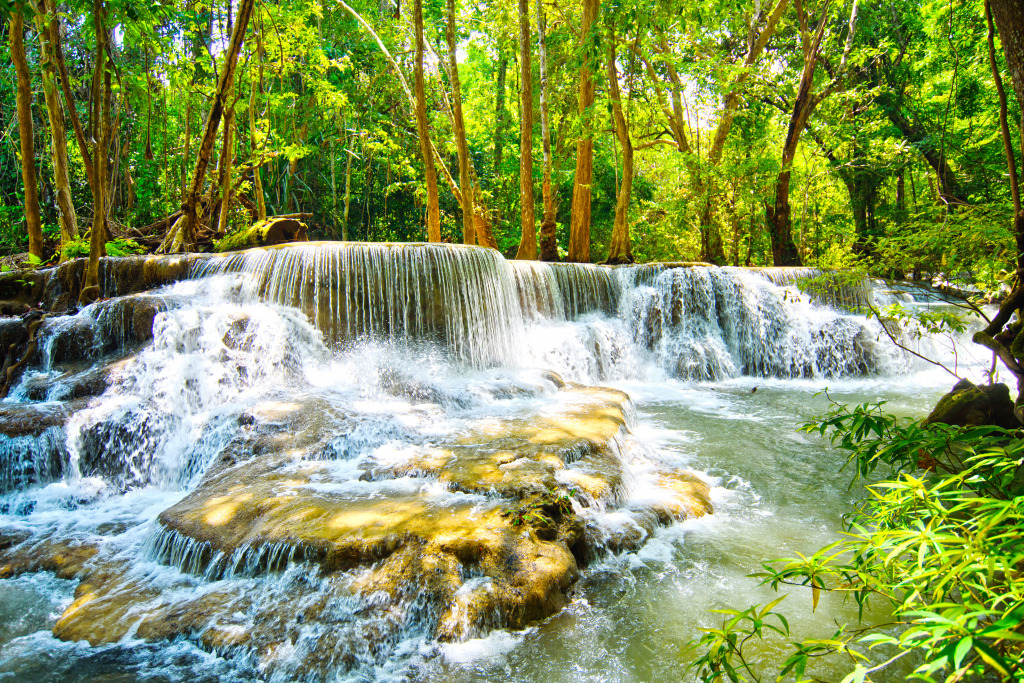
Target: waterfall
point(462, 297)
point(177, 365)
point(372, 445)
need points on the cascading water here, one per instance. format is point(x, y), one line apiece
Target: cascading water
point(359, 460)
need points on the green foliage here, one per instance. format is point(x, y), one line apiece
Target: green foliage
point(120, 246)
point(543, 511)
point(939, 541)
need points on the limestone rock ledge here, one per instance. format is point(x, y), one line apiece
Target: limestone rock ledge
point(303, 562)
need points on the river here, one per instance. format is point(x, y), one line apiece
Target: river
point(408, 352)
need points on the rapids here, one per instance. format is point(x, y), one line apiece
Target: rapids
point(321, 462)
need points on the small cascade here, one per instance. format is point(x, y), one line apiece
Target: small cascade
point(461, 297)
point(713, 323)
point(565, 291)
point(32, 459)
point(846, 290)
point(321, 459)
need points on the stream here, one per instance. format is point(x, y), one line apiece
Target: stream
point(354, 368)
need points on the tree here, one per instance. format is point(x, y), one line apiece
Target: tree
point(48, 26)
point(548, 241)
point(528, 241)
point(184, 234)
point(1004, 336)
point(780, 224)
point(579, 229)
point(16, 37)
point(101, 131)
point(430, 173)
point(702, 171)
point(620, 250)
point(462, 147)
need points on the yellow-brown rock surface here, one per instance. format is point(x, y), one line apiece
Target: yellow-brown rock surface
point(483, 528)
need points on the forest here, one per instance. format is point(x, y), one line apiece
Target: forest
point(829, 134)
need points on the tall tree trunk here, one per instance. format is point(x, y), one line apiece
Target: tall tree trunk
point(1008, 15)
point(101, 110)
point(25, 132)
point(47, 25)
point(257, 180)
point(1009, 19)
point(348, 187)
point(780, 222)
point(430, 172)
point(468, 213)
point(620, 250)
point(227, 156)
point(579, 227)
point(528, 241)
point(186, 233)
point(499, 112)
point(548, 239)
point(69, 103)
point(334, 189)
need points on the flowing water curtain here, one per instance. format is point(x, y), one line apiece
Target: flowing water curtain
point(463, 298)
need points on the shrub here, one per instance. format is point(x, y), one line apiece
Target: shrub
point(939, 541)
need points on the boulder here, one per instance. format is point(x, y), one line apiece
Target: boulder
point(969, 405)
point(264, 234)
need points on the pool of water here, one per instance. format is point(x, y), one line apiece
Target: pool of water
point(777, 492)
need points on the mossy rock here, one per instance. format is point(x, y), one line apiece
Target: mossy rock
point(969, 405)
point(264, 234)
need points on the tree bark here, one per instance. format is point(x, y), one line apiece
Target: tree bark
point(579, 227)
point(528, 241)
point(548, 238)
point(348, 187)
point(69, 103)
point(25, 132)
point(499, 112)
point(780, 222)
point(47, 25)
point(1009, 19)
point(227, 156)
point(620, 250)
point(430, 172)
point(1014, 28)
point(101, 111)
point(461, 146)
point(187, 237)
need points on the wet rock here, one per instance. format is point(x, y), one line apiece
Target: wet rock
point(968, 405)
point(24, 419)
point(577, 445)
point(118, 276)
point(362, 563)
point(71, 339)
point(33, 446)
point(67, 558)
